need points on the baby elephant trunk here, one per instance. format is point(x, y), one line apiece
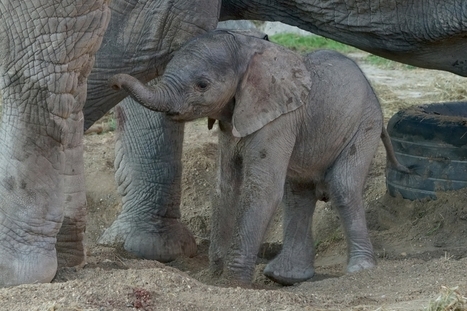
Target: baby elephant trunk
point(155, 98)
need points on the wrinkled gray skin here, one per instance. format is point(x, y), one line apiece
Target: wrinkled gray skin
point(275, 109)
point(46, 58)
point(141, 38)
point(428, 34)
point(47, 51)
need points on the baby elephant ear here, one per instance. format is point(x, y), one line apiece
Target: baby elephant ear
point(276, 82)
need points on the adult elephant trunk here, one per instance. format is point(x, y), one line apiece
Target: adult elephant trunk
point(159, 98)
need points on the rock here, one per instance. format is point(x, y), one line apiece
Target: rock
point(236, 24)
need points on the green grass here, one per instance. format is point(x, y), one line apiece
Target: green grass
point(386, 63)
point(112, 124)
point(304, 44)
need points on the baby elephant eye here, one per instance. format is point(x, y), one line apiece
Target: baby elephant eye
point(202, 85)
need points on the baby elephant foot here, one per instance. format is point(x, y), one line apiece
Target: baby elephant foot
point(287, 271)
point(360, 263)
point(163, 239)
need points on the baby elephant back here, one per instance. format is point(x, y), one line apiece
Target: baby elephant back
point(339, 88)
point(341, 103)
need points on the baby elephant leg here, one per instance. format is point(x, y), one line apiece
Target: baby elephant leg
point(264, 158)
point(223, 202)
point(295, 262)
point(346, 181)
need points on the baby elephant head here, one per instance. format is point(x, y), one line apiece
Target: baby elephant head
point(236, 77)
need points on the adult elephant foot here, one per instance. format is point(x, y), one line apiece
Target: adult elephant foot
point(288, 270)
point(161, 239)
point(30, 218)
point(148, 167)
point(27, 251)
point(27, 264)
point(359, 263)
point(70, 243)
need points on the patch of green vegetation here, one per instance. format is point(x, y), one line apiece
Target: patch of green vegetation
point(386, 63)
point(112, 124)
point(304, 44)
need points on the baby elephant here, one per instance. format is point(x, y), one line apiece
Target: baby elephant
point(292, 127)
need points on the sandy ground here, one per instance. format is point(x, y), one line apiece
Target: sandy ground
point(421, 246)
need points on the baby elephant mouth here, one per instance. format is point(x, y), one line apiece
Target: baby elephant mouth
point(175, 116)
point(180, 116)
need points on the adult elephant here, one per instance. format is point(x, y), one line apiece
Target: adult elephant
point(48, 51)
point(141, 37)
point(429, 34)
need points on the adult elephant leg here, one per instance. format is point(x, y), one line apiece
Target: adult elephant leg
point(70, 239)
point(148, 174)
point(46, 56)
point(141, 39)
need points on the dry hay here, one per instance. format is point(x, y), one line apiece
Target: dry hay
point(450, 90)
point(443, 88)
point(450, 299)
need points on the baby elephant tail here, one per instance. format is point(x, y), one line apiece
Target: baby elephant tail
point(391, 156)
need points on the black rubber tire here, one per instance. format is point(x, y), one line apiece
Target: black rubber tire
point(432, 140)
